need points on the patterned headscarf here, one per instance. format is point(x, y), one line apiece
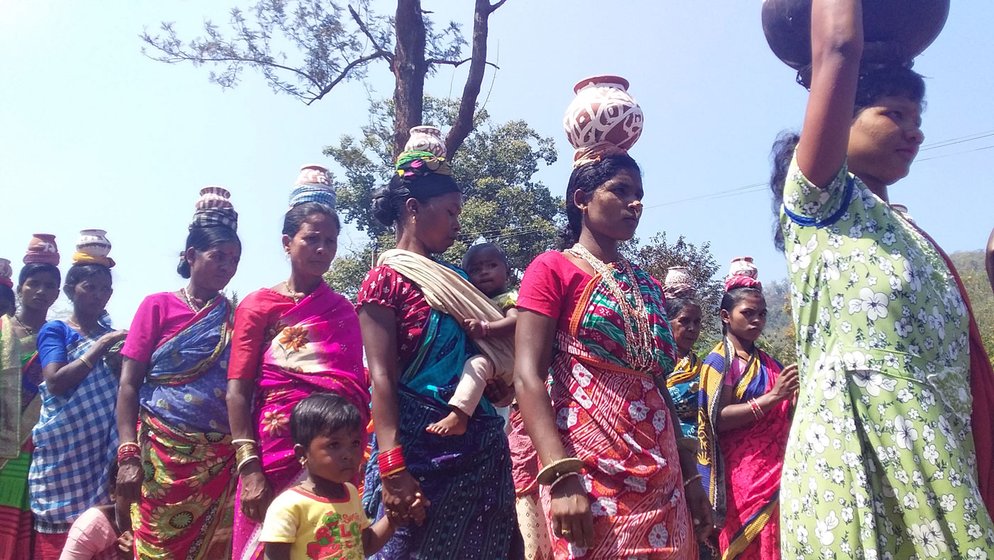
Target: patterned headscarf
point(214, 208)
point(742, 273)
point(313, 184)
point(425, 174)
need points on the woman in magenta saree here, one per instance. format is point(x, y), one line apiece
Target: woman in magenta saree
point(291, 340)
point(744, 419)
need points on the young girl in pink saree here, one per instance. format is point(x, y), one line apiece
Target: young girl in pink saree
point(745, 413)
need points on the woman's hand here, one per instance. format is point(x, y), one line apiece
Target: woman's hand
point(125, 545)
point(129, 480)
point(108, 340)
point(402, 498)
point(700, 510)
point(498, 392)
point(256, 492)
point(786, 385)
point(571, 517)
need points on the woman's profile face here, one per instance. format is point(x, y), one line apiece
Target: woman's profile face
point(39, 291)
point(314, 245)
point(614, 209)
point(436, 221)
point(884, 139)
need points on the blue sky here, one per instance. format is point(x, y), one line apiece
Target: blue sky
point(94, 134)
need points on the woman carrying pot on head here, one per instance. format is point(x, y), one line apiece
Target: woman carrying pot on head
point(291, 340)
point(612, 477)
point(75, 438)
point(891, 452)
point(179, 464)
point(20, 401)
point(416, 352)
point(746, 401)
point(684, 313)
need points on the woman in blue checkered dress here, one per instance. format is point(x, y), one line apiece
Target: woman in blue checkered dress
point(76, 437)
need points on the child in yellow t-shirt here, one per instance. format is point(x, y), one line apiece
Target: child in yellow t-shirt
point(322, 517)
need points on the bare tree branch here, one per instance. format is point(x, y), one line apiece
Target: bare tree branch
point(477, 68)
point(365, 30)
point(456, 63)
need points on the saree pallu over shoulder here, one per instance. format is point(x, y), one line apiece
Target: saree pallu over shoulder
point(20, 376)
point(186, 381)
point(187, 498)
point(684, 385)
point(20, 405)
point(741, 468)
point(317, 348)
point(448, 292)
point(615, 419)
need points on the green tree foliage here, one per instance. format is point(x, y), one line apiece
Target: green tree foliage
point(496, 165)
point(658, 254)
point(778, 338)
point(306, 48)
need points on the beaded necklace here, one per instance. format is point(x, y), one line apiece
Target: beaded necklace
point(189, 300)
point(639, 345)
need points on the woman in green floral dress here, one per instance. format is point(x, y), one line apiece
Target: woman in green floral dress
point(881, 461)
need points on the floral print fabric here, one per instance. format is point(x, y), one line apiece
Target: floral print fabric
point(880, 462)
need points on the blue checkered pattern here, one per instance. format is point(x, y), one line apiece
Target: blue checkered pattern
point(75, 443)
point(322, 194)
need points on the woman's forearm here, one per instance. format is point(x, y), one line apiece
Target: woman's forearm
point(239, 402)
point(132, 377)
point(533, 356)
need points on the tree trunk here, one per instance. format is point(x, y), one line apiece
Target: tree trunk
point(409, 69)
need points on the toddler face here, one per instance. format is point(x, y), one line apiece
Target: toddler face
point(488, 272)
point(335, 456)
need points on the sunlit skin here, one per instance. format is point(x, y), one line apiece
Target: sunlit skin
point(883, 142)
point(743, 326)
point(487, 270)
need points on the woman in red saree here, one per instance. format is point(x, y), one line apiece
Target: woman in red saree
point(613, 481)
point(745, 416)
point(291, 340)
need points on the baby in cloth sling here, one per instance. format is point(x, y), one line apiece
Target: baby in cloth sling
point(488, 270)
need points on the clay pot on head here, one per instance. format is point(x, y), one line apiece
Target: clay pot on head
point(5, 270)
point(93, 242)
point(42, 250)
point(896, 31)
point(313, 174)
point(603, 111)
point(426, 139)
point(213, 196)
point(743, 266)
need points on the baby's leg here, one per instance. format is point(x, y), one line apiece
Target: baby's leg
point(477, 370)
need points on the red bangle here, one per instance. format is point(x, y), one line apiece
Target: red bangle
point(391, 461)
point(127, 451)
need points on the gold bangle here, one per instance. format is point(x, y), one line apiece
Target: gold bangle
point(552, 487)
point(244, 451)
point(246, 461)
point(86, 362)
point(558, 469)
point(240, 442)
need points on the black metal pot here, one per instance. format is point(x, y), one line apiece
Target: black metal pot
point(899, 30)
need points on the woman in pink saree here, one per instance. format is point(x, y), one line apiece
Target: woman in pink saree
point(291, 340)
